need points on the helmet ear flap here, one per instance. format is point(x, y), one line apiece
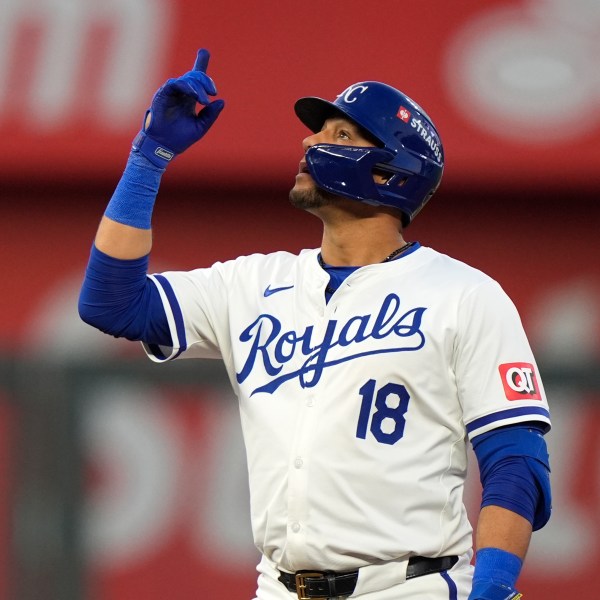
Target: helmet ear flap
point(347, 170)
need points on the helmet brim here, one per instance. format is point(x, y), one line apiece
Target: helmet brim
point(313, 112)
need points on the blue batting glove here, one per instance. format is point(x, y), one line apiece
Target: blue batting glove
point(483, 590)
point(172, 124)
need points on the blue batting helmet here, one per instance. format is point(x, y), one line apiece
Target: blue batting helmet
point(409, 152)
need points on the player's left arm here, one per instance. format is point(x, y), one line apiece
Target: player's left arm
point(502, 539)
point(516, 501)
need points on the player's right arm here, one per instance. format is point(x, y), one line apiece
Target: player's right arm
point(116, 296)
point(171, 125)
point(122, 241)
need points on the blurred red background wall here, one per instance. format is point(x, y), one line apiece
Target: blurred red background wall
point(511, 84)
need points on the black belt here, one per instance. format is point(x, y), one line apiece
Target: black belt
point(327, 584)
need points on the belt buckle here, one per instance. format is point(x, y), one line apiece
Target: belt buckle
point(301, 584)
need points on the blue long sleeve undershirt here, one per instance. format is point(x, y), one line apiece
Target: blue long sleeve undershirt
point(515, 472)
point(118, 298)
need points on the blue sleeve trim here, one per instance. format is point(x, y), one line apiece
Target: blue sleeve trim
point(180, 342)
point(157, 352)
point(510, 413)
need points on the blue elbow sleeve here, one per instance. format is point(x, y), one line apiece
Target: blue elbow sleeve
point(117, 298)
point(515, 471)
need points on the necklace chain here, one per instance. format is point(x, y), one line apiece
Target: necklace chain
point(388, 258)
point(397, 252)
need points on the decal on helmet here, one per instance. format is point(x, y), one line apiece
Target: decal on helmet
point(403, 114)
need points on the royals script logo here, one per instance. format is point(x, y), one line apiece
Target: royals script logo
point(272, 348)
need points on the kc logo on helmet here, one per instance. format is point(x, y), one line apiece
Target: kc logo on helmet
point(351, 94)
point(520, 381)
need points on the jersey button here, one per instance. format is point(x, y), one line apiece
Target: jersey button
point(296, 527)
point(298, 462)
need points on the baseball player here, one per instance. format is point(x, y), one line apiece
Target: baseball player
point(363, 368)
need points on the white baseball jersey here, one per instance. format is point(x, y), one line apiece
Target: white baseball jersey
point(356, 412)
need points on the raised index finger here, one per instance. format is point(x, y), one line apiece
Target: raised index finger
point(202, 58)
